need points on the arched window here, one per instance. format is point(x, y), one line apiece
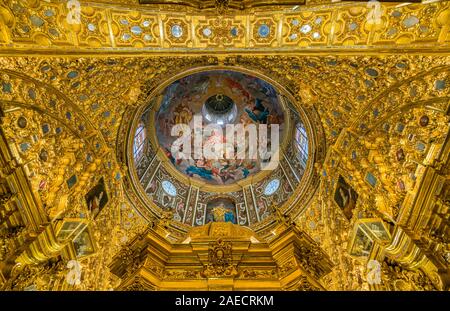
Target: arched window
point(272, 187)
point(139, 140)
point(301, 140)
point(169, 188)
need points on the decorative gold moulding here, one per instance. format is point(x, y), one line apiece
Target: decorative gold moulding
point(343, 28)
point(224, 256)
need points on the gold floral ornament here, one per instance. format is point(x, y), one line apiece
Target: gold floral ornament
point(220, 260)
point(221, 6)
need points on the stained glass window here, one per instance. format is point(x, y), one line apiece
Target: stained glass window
point(301, 140)
point(139, 139)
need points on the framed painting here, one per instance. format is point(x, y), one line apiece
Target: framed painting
point(362, 243)
point(97, 198)
point(84, 244)
point(376, 228)
point(345, 197)
point(68, 228)
point(366, 233)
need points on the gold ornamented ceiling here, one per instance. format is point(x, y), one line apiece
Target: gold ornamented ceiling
point(377, 94)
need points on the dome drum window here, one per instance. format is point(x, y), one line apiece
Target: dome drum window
point(272, 187)
point(169, 188)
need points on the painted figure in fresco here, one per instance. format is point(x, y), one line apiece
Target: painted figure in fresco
point(268, 91)
point(202, 85)
point(237, 88)
point(183, 114)
point(245, 120)
point(229, 172)
point(215, 140)
point(259, 113)
point(199, 171)
point(246, 171)
point(170, 156)
point(274, 119)
point(176, 154)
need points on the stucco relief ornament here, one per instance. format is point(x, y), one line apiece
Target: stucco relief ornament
point(165, 219)
point(136, 285)
point(220, 260)
point(305, 285)
point(278, 214)
point(222, 6)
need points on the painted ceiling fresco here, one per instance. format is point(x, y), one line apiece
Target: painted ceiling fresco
point(220, 97)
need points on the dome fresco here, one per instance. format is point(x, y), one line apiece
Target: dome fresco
point(236, 189)
point(219, 97)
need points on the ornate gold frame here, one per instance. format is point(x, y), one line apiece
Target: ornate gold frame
point(72, 236)
point(374, 240)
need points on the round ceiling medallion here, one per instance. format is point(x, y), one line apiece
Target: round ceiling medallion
point(177, 31)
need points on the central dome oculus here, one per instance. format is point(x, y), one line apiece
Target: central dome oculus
point(220, 109)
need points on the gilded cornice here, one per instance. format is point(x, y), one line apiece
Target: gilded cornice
point(42, 27)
